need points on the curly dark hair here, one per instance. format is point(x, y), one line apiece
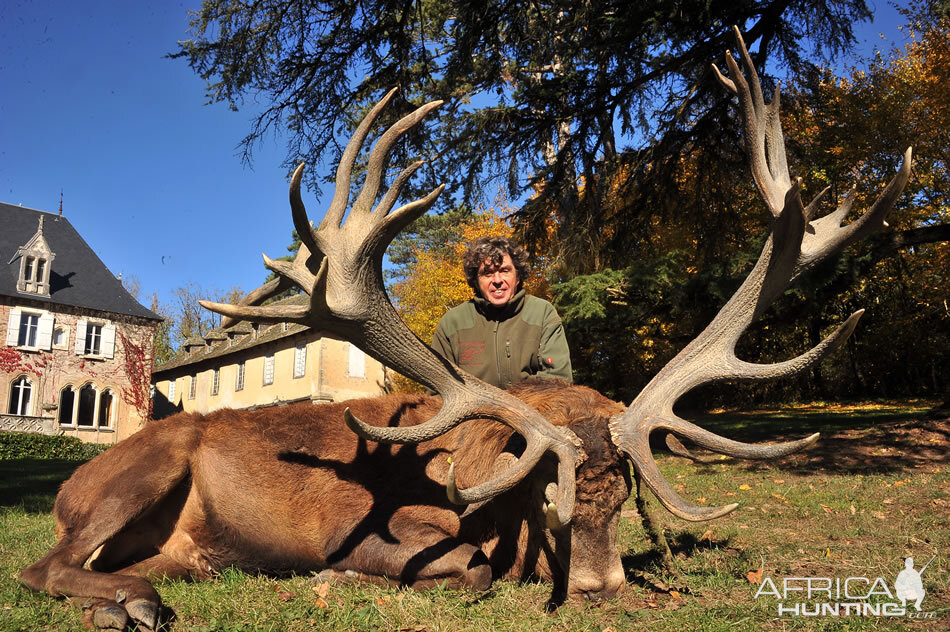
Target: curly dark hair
point(494, 249)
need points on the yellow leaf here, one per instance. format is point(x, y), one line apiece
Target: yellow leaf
point(744, 487)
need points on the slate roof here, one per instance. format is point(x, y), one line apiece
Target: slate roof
point(219, 349)
point(77, 276)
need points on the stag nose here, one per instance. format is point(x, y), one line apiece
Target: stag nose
point(598, 588)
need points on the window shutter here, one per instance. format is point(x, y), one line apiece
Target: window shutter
point(13, 327)
point(81, 336)
point(44, 337)
point(107, 344)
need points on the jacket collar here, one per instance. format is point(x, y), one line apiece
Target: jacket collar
point(506, 311)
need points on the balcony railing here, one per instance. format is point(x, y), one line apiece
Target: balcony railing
point(23, 423)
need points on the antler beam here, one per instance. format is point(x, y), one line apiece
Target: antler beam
point(796, 244)
point(339, 265)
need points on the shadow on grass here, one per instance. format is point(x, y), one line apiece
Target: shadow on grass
point(881, 441)
point(32, 484)
point(683, 545)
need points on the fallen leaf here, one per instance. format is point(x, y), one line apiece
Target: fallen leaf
point(322, 589)
point(286, 595)
point(701, 499)
point(779, 496)
point(852, 510)
point(827, 552)
point(825, 508)
point(754, 577)
point(899, 483)
point(708, 535)
point(744, 487)
point(381, 601)
point(778, 480)
point(674, 594)
point(888, 501)
point(609, 629)
point(321, 603)
point(879, 515)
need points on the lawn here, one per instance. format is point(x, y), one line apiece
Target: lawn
point(874, 490)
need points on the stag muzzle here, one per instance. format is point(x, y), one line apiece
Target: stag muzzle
point(597, 587)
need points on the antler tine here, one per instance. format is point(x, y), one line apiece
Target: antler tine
point(341, 194)
point(348, 300)
point(827, 236)
point(374, 170)
point(762, 127)
point(796, 244)
point(257, 296)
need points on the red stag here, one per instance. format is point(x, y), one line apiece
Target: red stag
point(535, 476)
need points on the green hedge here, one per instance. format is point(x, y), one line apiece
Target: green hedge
point(27, 445)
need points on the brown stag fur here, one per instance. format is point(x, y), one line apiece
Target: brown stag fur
point(292, 489)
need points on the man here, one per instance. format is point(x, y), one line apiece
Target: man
point(502, 335)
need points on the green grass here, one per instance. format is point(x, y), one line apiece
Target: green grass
point(873, 491)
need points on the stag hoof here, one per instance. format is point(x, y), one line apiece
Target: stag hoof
point(110, 617)
point(144, 612)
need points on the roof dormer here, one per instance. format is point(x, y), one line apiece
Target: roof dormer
point(36, 258)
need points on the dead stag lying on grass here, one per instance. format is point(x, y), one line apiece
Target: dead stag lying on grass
point(535, 477)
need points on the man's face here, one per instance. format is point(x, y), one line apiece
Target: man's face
point(497, 284)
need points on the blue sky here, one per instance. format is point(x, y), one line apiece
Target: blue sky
point(150, 176)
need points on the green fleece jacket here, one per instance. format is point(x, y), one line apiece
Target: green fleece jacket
point(505, 345)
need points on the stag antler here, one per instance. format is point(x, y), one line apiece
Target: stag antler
point(340, 266)
point(796, 244)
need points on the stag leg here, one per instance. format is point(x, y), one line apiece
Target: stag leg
point(59, 572)
point(422, 556)
point(442, 562)
point(105, 504)
point(160, 567)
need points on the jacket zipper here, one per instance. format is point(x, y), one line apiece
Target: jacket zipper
point(501, 382)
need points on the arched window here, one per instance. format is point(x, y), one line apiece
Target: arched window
point(87, 406)
point(67, 402)
point(20, 394)
point(106, 403)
